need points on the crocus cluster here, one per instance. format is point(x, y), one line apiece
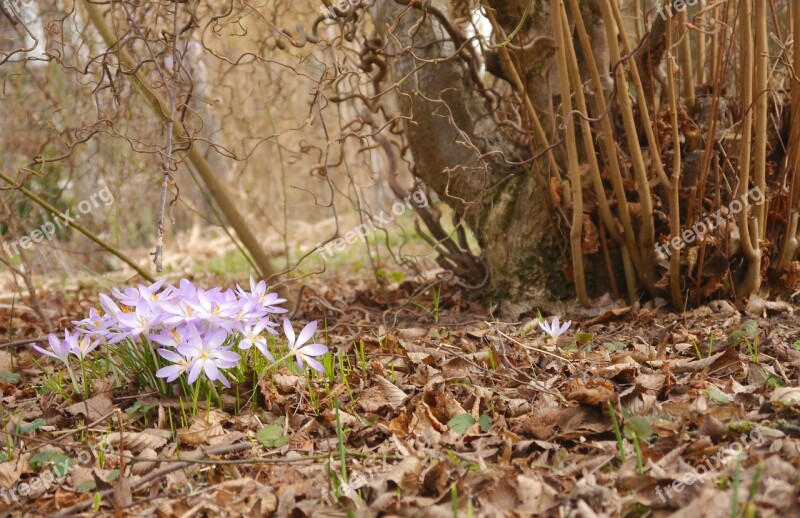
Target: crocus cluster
point(198, 331)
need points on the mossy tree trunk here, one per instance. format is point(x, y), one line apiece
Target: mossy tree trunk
point(486, 173)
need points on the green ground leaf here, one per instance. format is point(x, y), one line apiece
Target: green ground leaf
point(614, 346)
point(486, 423)
point(32, 427)
point(61, 463)
point(272, 436)
point(12, 378)
point(85, 487)
point(717, 396)
point(461, 423)
point(639, 426)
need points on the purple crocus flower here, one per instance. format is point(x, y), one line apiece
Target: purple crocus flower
point(141, 320)
point(214, 305)
point(59, 349)
point(259, 299)
point(132, 296)
point(177, 312)
point(170, 337)
point(174, 371)
point(83, 346)
point(208, 355)
point(252, 337)
point(150, 294)
point(95, 325)
point(109, 306)
point(185, 290)
point(304, 353)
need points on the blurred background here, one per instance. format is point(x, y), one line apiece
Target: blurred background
point(74, 126)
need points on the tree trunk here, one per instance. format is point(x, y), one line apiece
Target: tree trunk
point(469, 160)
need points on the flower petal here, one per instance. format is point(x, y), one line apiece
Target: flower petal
point(211, 370)
point(314, 364)
point(170, 372)
point(312, 350)
point(544, 327)
point(227, 356)
point(170, 356)
point(194, 371)
point(224, 380)
point(46, 352)
point(306, 334)
point(289, 332)
point(215, 340)
point(263, 348)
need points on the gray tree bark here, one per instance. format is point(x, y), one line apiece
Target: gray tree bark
point(467, 159)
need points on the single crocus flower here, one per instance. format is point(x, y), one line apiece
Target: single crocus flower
point(141, 320)
point(169, 337)
point(258, 298)
point(553, 329)
point(172, 372)
point(208, 355)
point(304, 353)
point(252, 337)
point(214, 305)
point(83, 346)
point(96, 325)
point(58, 349)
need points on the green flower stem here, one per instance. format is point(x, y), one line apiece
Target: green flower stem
point(72, 378)
point(83, 375)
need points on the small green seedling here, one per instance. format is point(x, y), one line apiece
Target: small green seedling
point(637, 428)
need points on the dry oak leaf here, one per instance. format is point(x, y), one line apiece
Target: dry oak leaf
point(789, 396)
point(592, 393)
point(246, 497)
point(591, 240)
point(205, 428)
point(395, 396)
point(406, 475)
point(11, 470)
point(520, 496)
point(286, 383)
point(574, 422)
point(144, 464)
point(95, 408)
point(374, 400)
point(139, 441)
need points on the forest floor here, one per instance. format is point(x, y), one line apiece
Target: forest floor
point(441, 410)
